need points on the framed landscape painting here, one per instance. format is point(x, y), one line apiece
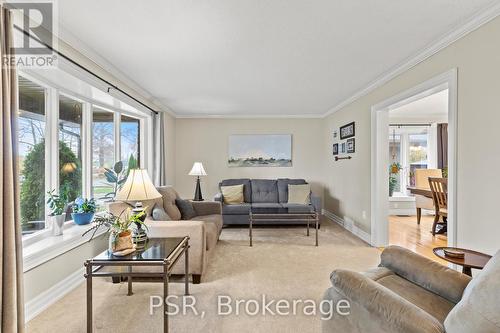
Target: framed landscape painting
point(260, 150)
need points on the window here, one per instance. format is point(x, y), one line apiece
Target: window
point(129, 139)
point(103, 151)
point(70, 147)
point(66, 141)
point(31, 135)
point(410, 146)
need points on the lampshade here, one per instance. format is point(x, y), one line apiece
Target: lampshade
point(197, 170)
point(138, 187)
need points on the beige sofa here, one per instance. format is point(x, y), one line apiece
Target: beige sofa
point(203, 230)
point(410, 293)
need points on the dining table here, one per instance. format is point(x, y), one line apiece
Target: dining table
point(426, 192)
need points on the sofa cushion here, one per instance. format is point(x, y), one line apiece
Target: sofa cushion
point(283, 187)
point(169, 195)
point(242, 209)
point(430, 302)
point(186, 208)
point(299, 194)
point(264, 191)
point(479, 309)
point(159, 213)
point(233, 195)
point(247, 187)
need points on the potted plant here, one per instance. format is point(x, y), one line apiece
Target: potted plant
point(83, 211)
point(117, 176)
point(394, 169)
point(57, 204)
point(120, 234)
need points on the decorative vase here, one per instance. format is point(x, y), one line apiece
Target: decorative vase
point(58, 224)
point(120, 242)
point(82, 218)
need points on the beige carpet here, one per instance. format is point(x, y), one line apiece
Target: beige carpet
point(283, 264)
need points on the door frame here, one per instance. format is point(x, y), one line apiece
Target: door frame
point(380, 154)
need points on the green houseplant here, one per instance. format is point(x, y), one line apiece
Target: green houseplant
point(394, 169)
point(117, 176)
point(83, 211)
point(118, 228)
point(57, 204)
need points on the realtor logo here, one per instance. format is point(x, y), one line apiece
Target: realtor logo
point(34, 34)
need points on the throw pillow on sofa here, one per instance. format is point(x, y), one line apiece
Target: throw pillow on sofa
point(299, 194)
point(233, 195)
point(186, 208)
point(159, 214)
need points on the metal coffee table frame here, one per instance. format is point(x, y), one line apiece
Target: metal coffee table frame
point(312, 217)
point(93, 267)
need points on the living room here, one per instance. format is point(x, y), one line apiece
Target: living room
point(226, 166)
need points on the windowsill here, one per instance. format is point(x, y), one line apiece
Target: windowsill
point(42, 246)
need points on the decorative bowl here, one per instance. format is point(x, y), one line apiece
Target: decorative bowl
point(452, 253)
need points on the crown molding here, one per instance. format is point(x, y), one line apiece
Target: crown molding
point(249, 116)
point(476, 21)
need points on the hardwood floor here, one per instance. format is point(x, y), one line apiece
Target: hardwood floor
point(404, 231)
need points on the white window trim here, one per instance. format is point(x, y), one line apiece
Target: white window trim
point(42, 246)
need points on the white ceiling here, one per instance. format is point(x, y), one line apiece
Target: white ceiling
point(257, 57)
point(426, 109)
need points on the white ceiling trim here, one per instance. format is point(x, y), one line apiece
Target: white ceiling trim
point(250, 116)
point(475, 22)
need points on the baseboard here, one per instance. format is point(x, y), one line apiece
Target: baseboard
point(35, 306)
point(349, 225)
point(408, 212)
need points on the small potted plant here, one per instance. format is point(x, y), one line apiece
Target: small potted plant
point(120, 234)
point(57, 204)
point(83, 211)
point(394, 169)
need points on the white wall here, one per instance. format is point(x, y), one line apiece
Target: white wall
point(476, 56)
point(206, 140)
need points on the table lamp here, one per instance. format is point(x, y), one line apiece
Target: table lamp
point(138, 188)
point(197, 170)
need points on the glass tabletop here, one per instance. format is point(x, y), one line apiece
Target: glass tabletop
point(298, 209)
point(156, 249)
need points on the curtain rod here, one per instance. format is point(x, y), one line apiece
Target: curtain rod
point(111, 85)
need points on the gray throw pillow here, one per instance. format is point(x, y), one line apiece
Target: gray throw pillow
point(186, 208)
point(159, 214)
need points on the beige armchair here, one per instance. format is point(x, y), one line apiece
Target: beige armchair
point(412, 294)
point(422, 181)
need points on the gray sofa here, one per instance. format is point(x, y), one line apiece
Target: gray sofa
point(262, 193)
point(410, 293)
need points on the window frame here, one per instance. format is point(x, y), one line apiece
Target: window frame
point(52, 93)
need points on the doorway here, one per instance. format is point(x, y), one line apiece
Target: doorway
point(407, 135)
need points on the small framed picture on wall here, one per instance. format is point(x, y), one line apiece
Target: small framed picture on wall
point(347, 131)
point(335, 149)
point(351, 146)
point(342, 148)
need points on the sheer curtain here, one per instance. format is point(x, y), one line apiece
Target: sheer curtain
point(11, 294)
point(159, 165)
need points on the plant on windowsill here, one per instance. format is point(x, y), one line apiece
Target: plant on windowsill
point(83, 211)
point(394, 169)
point(57, 204)
point(118, 228)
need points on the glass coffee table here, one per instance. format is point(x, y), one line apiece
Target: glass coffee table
point(159, 252)
point(307, 215)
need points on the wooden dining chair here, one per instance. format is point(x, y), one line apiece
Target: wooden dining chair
point(439, 188)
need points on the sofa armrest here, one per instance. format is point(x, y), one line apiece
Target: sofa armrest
point(316, 202)
point(218, 197)
point(425, 272)
point(197, 238)
point(387, 309)
point(207, 207)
